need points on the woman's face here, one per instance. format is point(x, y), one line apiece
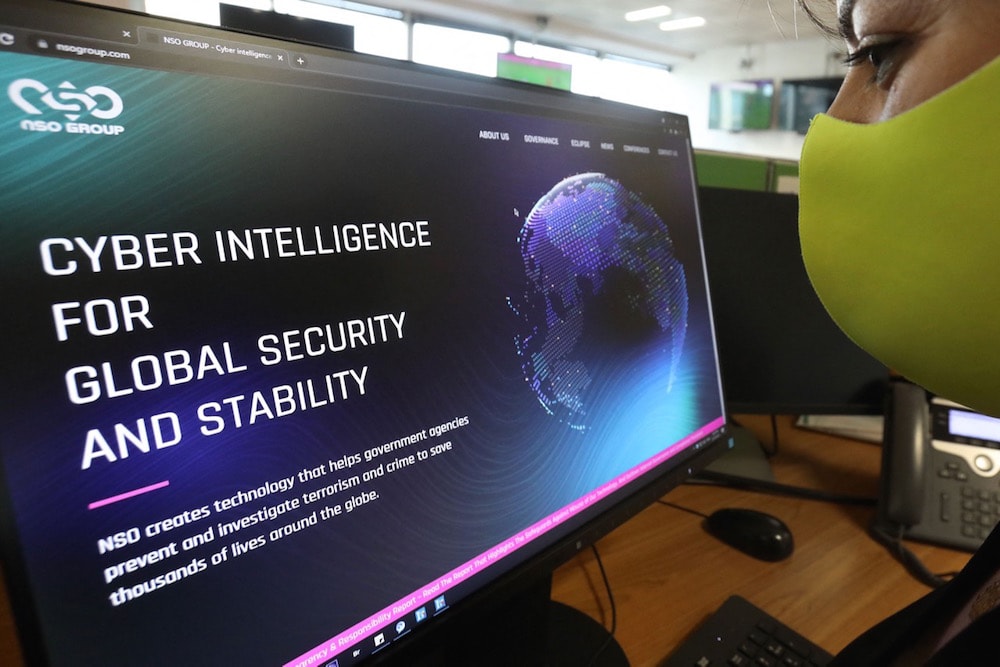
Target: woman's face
point(902, 52)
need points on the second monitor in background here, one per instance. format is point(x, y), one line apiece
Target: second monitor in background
point(780, 351)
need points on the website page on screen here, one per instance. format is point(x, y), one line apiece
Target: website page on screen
point(310, 354)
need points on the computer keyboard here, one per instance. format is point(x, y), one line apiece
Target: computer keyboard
point(740, 634)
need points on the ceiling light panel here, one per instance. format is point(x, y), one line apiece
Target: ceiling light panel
point(649, 13)
point(683, 24)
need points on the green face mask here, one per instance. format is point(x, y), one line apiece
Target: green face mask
point(900, 230)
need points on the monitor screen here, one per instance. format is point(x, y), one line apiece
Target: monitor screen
point(306, 351)
point(780, 350)
point(801, 99)
point(741, 105)
point(533, 70)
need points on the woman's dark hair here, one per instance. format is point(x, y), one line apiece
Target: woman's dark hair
point(825, 23)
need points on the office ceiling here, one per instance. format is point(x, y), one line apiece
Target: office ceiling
point(601, 24)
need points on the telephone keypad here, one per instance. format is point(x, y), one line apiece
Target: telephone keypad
point(980, 511)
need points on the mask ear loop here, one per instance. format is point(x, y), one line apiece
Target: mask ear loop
point(914, 566)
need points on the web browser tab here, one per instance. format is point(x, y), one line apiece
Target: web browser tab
point(210, 47)
point(121, 32)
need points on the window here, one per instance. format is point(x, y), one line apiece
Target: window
point(198, 11)
point(383, 32)
point(612, 78)
point(380, 35)
point(638, 84)
point(585, 66)
point(454, 48)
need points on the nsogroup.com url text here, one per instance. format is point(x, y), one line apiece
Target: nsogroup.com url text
point(90, 51)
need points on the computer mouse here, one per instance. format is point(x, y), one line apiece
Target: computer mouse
point(756, 534)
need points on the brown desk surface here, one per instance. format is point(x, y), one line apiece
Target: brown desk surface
point(667, 574)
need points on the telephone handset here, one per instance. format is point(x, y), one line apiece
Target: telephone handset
point(940, 470)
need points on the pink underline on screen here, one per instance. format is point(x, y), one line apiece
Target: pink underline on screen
point(129, 494)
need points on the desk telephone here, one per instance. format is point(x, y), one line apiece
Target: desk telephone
point(940, 470)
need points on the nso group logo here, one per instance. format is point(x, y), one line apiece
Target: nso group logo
point(78, 112)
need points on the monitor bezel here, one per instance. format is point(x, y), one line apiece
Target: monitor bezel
point(640, 494)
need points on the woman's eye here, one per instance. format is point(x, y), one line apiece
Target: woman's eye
point(881, 56)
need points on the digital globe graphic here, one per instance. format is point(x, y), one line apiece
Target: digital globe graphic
point(604, 294)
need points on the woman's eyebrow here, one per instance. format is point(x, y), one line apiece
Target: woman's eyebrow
point(845, 20)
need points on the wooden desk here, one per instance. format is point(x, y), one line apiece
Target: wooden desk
point(667, 575)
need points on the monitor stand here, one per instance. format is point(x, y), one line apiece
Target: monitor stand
point(526, 628)
point(574, 638)
point(746, 459)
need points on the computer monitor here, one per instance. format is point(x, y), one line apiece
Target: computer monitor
point(781, 353)
point(801, 99)
point(308, 353)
